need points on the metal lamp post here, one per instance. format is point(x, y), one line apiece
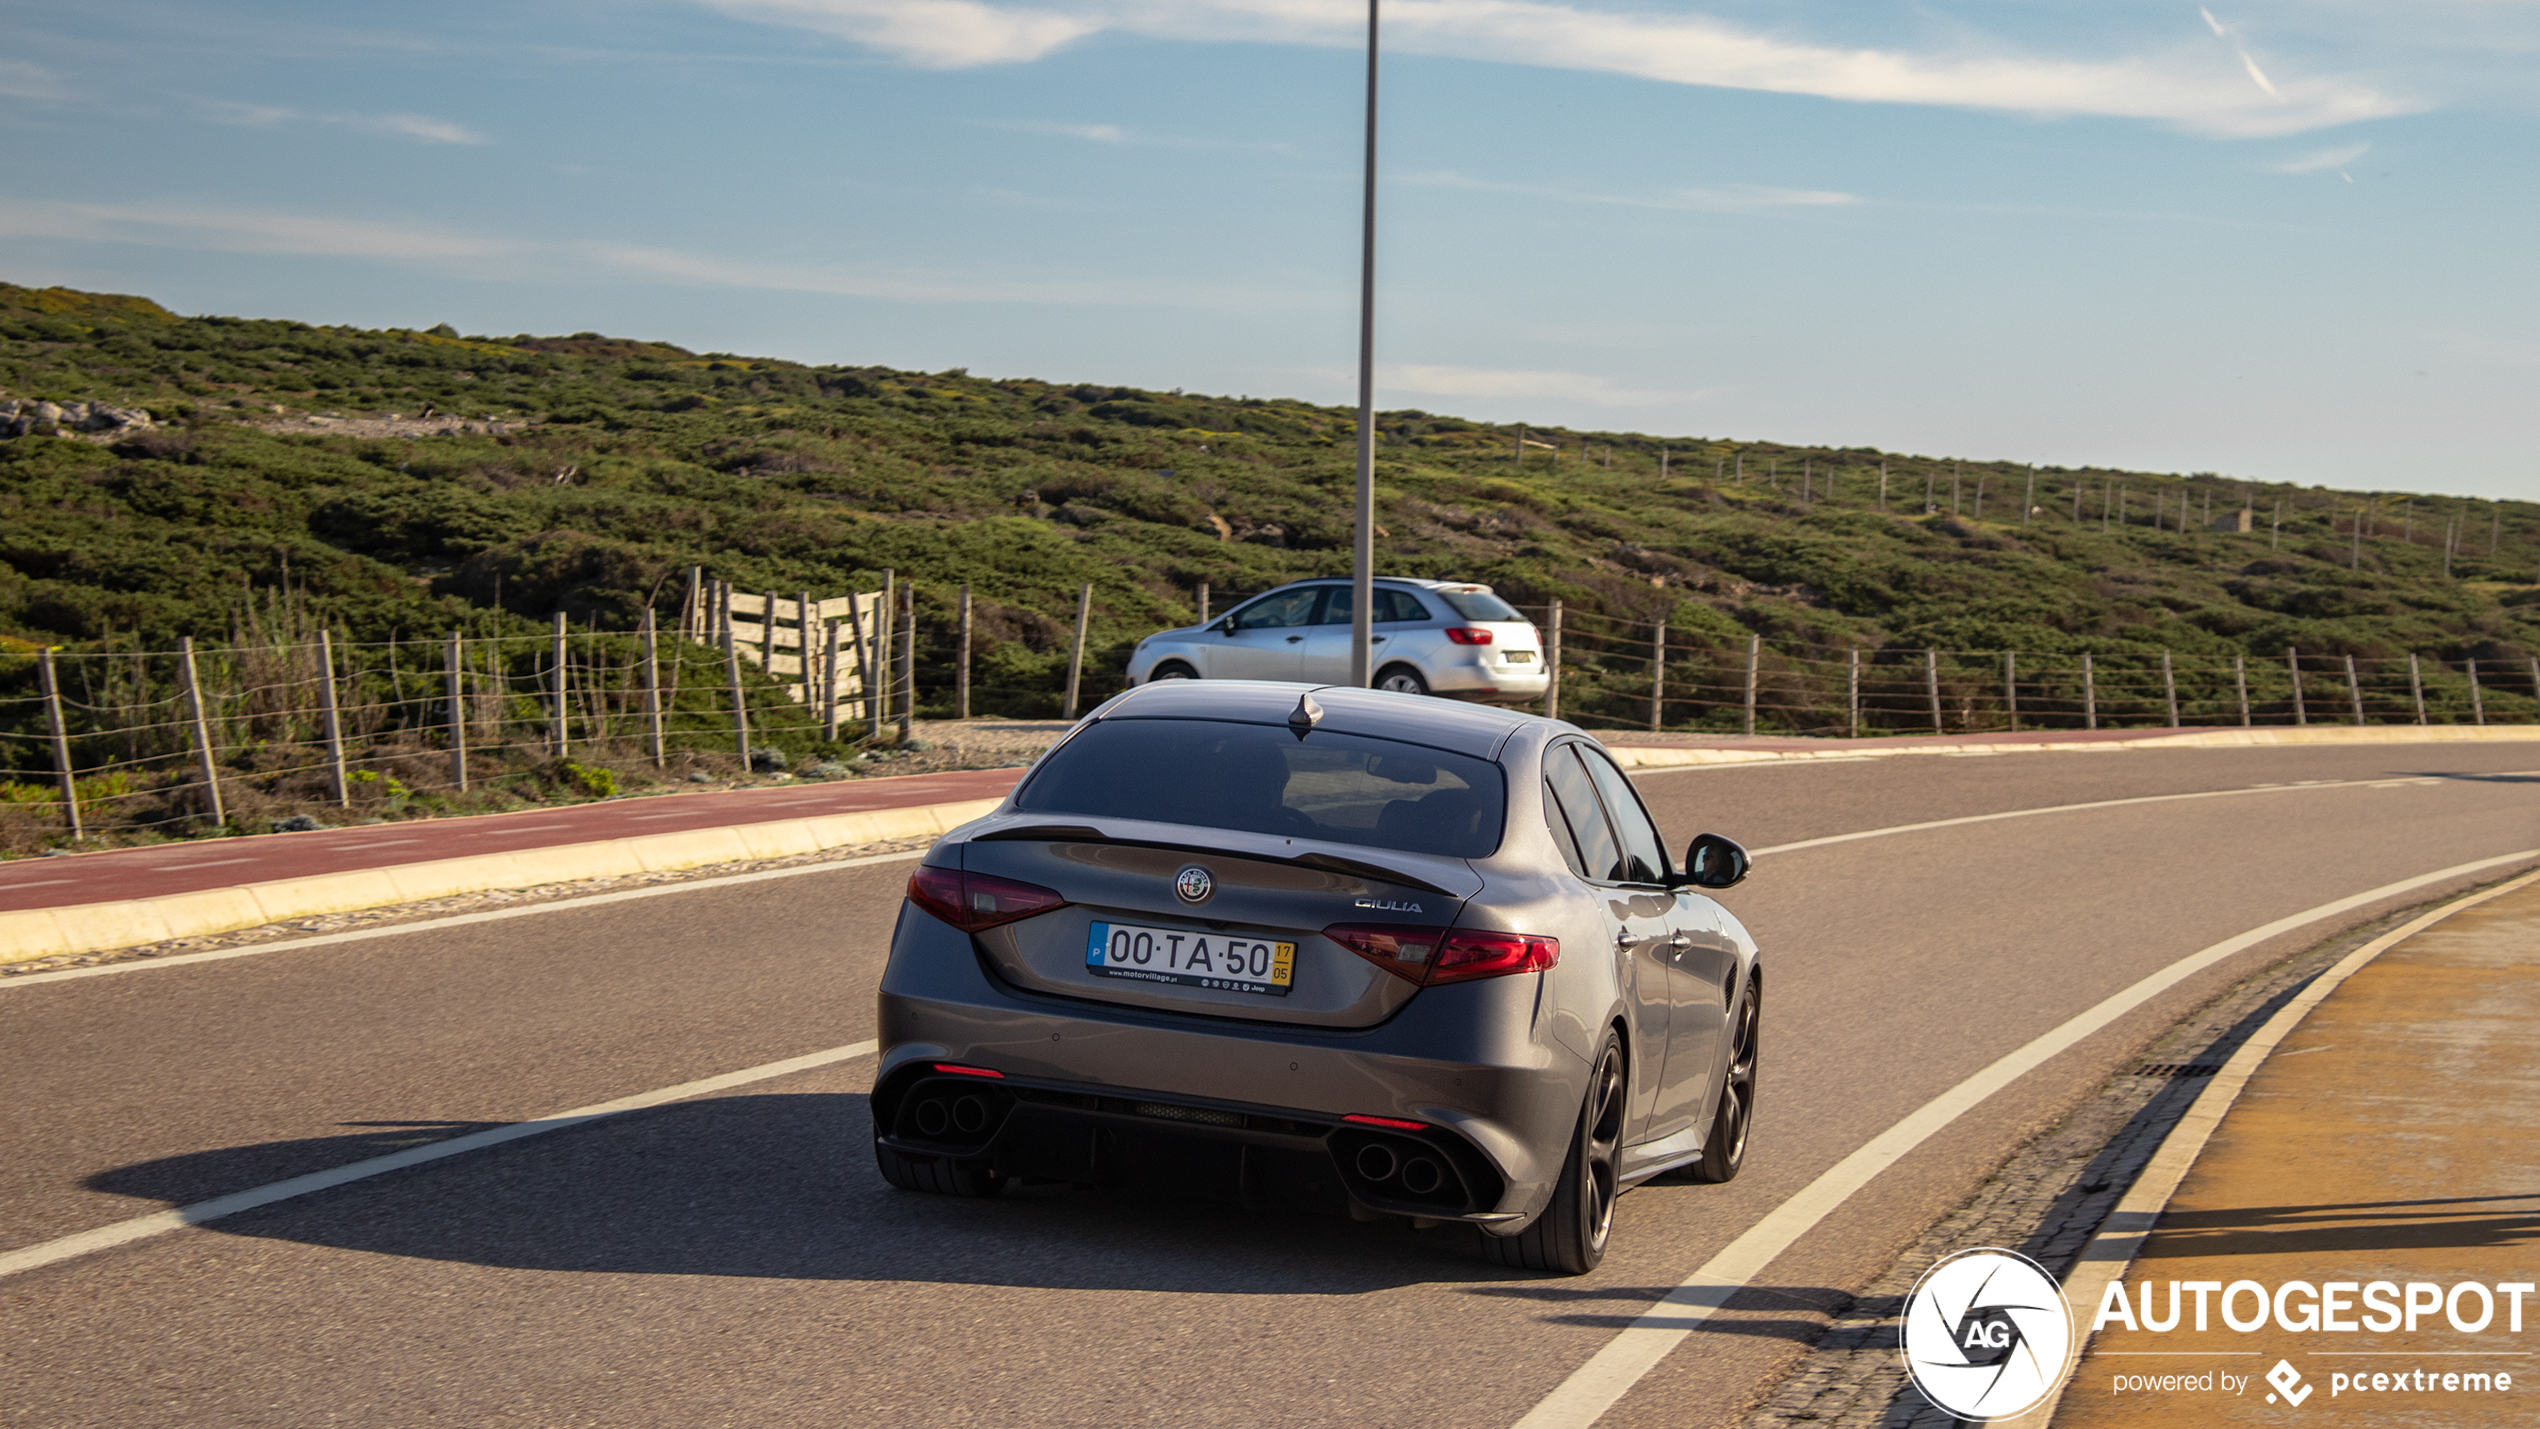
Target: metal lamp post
point(1363, 548)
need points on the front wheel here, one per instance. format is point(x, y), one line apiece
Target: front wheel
point(1724, 1150)
point(1571, 1234)
point(1172, 670)
point(1402, 680)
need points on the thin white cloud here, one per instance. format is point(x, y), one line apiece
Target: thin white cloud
point(935, 34)
point(424, 127)
point(1122, 135)
point(1434, 380)
point(1726, 198)
point(235, 230)
point(2223, 33)
point(2311, 163)
point(21, 80)
point(214, 228)
point(2180, 85)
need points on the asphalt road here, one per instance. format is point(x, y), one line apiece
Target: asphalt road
point(735, 1259)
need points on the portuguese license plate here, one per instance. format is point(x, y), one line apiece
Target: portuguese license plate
point(1229, 962)
point(1519, 657)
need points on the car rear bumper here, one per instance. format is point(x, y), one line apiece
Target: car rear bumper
point(1118, 1096)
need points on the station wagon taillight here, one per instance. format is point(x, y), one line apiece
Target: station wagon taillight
point(1427, 956)
point(1467, 635)
point(975, 902)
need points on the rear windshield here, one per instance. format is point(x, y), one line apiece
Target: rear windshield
point(1479, 605)
point(1261, 779)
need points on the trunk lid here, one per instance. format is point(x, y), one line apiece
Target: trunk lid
point(1263, 888)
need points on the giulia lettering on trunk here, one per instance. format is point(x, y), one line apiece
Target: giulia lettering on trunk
point(1387, 905)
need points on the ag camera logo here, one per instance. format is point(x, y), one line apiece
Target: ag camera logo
point(1987, 1334)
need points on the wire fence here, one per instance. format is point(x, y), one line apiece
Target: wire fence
point(132, 741)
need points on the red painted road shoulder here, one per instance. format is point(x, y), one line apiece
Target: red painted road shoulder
point(160, 869)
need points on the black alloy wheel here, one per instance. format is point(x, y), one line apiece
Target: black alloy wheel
point(1402, 680)
point(1724, 1150)
point(935, 1175)
point(1570, 1236)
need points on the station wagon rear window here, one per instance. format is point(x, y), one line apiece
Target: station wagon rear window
point(1261, 779)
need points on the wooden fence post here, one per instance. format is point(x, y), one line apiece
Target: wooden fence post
point(454, 686)
point(692, 611)
point(830, 697)
point(2240, 682)
point(740, 703)
point(2169, 687)
point(560, 739)
point(1754, 658)
point(864, 671)
point(2477, 699)
point(202, 726)
point(804, 651)
point(1076, 652)
point(2293, 662)
point(1931, 686)
point(332, 713)
point(2535, 677)
point(2089, 693)
point(885, 611)
point(2028, 503)
point(908, 633)
point(652, 692)
point(1658, 677)
point(2354, 690)
point(1203, 602)
point(1852, 689)
point(2011, 687)
point(961, 662)
point(61, 745)
point(1552, 661)
point(2416, 686)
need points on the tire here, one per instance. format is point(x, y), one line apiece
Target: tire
point(1724, 1150)
point(1569, 1238)
point(937, 1176)
point(1172, 670)
point(1401, 680)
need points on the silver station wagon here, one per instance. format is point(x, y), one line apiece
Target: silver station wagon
point(1431, 637)
point(1323, 949)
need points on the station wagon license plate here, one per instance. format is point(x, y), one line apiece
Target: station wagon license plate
point(1228, 962)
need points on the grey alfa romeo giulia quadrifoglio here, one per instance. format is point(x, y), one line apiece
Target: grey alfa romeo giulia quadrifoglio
point(1323, 949)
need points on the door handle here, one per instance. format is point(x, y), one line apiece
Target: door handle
point(1294, 639)
point(1680, 942)
point(1624, 939)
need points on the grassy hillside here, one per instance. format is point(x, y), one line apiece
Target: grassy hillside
point(625, 461)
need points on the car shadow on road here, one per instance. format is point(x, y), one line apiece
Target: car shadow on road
point(1749, 1310)
point(783, 1186)
point(2346, 1228)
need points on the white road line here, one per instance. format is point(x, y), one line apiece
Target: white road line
point(2304, 788)
point(6, 884)
point(143, 1227)
point(201, 863)
point(1594, 1387)
point(457, 920)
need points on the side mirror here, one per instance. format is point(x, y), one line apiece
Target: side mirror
point(1715, 862)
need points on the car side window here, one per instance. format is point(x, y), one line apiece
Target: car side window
point(1337, 602)
point(1645, 856)
point(1272, 612)
point(1398, 605)
point(1600, 855)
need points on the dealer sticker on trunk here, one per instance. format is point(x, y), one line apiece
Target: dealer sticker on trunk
point(1228, 962)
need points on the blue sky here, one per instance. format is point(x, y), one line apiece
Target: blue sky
point(2286, 241)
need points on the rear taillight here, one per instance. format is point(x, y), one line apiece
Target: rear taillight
point(1433, 955)
point(1466, 635)
point(1472, 953)
point(974, 902)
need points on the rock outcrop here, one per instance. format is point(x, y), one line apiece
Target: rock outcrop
point(21, 417)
